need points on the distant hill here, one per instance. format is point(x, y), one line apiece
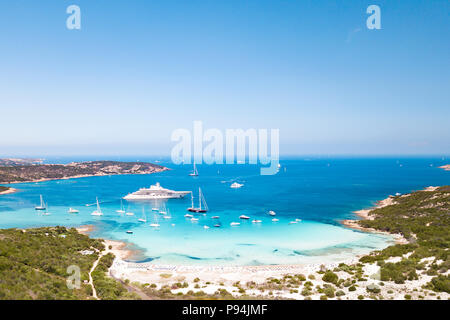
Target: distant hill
point(40, 172)
point(8, 162)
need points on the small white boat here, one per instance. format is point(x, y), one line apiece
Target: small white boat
point(236, 185)
point(97, 212)
point(129, 232)
point(293, 222)
point(217, 226)
point(121, 208)
point(154, 225)
point(71, 210)
point(194, 173)
point(144, 217)
point(155, 209)
point(205, 227)
point(215, 217)
point(275, 220)
point(272, 213)
point(42, 205)
point(235, 224)
point(298, 220)
point(194, 219)
point(168, 215)
point(256, 221)
point(244, 217)
point(187, 215)
point(163, 210)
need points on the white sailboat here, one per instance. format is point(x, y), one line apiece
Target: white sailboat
point(42, 205)
point(201, 200)
point(272, 213)
point(121, 208)
point(144, 217)
point(97, 212)
point(168, 215)
point(46, 213)
point(194, 173)
point(155, 223)
point(163, 210)
point(129, 213)
point(72, 210)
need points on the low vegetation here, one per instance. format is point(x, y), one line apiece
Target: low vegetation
point(423, 218)
point(34, 262)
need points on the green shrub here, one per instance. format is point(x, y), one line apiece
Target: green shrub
point(330, 276)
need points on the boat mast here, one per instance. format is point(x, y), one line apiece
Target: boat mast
point(98, 206)
point(192, 199)
point(200, 198)
point(204, 202)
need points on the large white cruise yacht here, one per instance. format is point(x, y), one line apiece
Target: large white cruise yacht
point(155, 192)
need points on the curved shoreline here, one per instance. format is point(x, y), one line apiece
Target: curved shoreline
point(365, 214)
point(9, 191)
point(122, 249)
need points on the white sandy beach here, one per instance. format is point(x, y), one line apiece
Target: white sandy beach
point(213, 278)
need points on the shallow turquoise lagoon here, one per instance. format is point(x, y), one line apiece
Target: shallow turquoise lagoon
point(319, 191)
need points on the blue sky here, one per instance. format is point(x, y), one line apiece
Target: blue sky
point(137, 70)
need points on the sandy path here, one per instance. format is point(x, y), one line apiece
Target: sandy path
point(91, 281)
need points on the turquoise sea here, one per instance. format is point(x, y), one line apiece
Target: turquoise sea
point(319, 191)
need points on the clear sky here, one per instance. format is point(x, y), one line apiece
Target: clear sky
point(137, 70)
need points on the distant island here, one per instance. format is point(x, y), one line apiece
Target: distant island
point(20, 161)
point(19, 170)
point(446, 167)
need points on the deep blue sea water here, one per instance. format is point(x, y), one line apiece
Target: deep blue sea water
point(319, 191)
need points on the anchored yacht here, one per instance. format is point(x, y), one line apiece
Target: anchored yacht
point(236, 185)
point(155, 192)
